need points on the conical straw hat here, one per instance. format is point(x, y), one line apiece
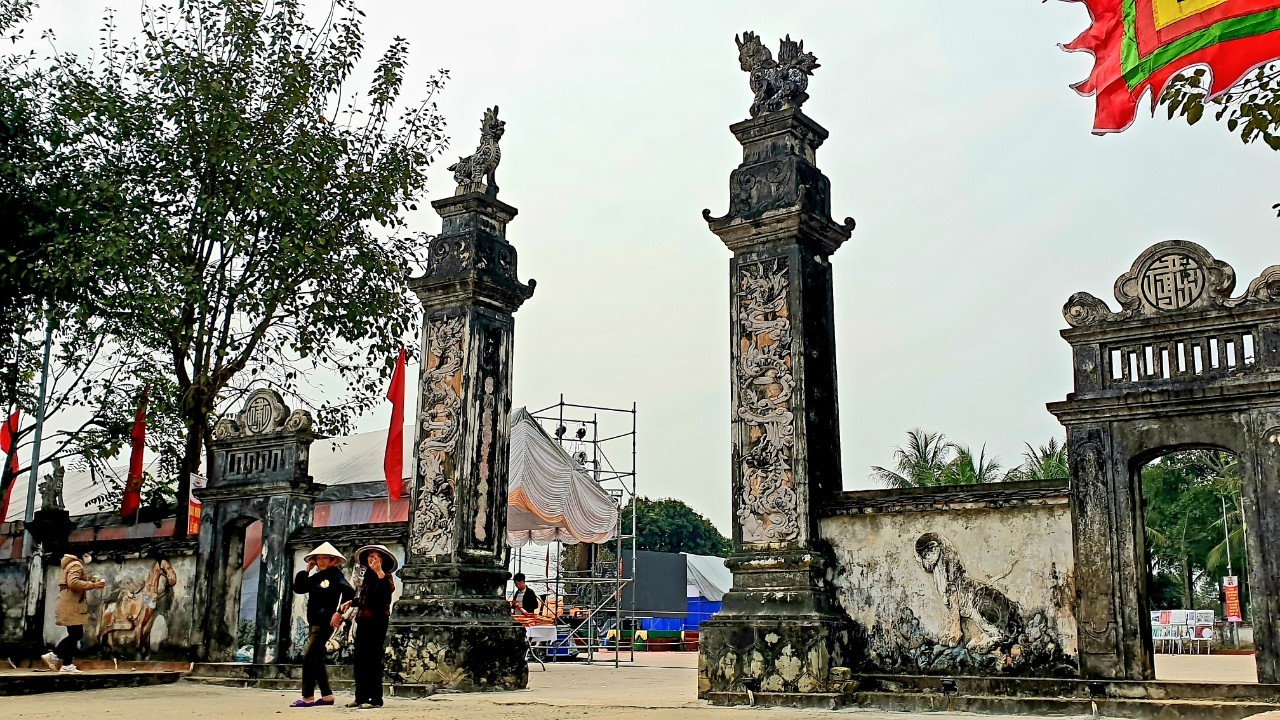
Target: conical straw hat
point(389, 560)
point(324, 549)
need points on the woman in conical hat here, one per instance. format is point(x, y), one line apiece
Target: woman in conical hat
point(325, 549)
point(326, 590)
point(374, 603)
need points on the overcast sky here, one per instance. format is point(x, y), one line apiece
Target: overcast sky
point(982, 203)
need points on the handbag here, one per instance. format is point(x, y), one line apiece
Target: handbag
point(342, 633)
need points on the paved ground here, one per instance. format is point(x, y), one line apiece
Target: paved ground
point(1207, 668)
point(564, 692)
point(658, 685)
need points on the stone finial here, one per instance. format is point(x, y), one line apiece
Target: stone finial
point(264, 413)
point(51, 488)
point(1170, 277)
point(778, 84)
point(475, 172)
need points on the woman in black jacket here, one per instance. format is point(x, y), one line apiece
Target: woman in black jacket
point(374, 603)
point(326, 590)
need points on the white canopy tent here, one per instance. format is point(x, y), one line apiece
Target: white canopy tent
point(550, 497)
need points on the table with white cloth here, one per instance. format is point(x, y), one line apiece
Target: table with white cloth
point(539, 636)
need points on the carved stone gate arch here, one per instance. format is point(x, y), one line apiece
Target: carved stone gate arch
point(260, 472)
point(1183, 364)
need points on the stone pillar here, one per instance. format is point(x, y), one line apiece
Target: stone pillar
point(780, 630)
point(260, 472)
point(452, 627)
point(49, 530)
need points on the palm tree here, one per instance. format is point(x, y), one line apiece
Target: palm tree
point(1047, 462)
point(965, 469)
point(921, 463)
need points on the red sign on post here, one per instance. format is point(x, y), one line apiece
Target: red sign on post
point(1231, 589)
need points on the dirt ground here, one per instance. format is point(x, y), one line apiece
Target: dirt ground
point(658, 685)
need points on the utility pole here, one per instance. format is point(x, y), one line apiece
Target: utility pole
point(35, 446)
point(1226, 540)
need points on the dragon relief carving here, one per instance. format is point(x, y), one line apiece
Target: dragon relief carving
point(778, 84)
point(768, 507)
point(475, 172)
point(440, 419)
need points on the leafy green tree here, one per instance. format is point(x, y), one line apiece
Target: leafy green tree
point(1183, 499)
point(1047, 462)
point(670, 525)
point(1251, 108)
point(53, 209)
point(261, 214)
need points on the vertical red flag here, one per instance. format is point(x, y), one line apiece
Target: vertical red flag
point(133, 486)
point(393, 461)
point(8, 449)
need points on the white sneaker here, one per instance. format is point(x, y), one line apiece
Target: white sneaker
point(69, 669)
point(52, 661)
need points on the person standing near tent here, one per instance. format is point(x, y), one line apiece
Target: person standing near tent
point(374, 609)
point(72, 611)
point(326, 590)
point(525, 598)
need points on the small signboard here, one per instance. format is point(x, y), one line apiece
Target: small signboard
point(1231, 591)
point(193, 512)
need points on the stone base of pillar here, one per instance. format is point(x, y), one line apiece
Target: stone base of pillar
point(783, 655)
point(462, 644)
point(780, 631)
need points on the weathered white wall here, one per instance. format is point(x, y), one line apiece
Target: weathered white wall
point(129, 618)
point(13, 597)
point(1021, 553)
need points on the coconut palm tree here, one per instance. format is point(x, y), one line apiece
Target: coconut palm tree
point(1047, 462)
point(966, 469)
point(922, 462)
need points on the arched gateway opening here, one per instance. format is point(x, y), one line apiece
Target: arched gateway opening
point(1192, 511)
point(1183, 365)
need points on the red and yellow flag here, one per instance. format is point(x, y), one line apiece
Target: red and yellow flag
point(1140, 44)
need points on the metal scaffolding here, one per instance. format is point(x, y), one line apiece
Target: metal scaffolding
point(590, 599)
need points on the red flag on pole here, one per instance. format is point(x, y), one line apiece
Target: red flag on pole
point(133, 486)
point(393, 461)
point(9, 449)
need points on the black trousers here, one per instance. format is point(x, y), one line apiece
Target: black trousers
point(66, 649)
point(370, 652)
point(313, 670)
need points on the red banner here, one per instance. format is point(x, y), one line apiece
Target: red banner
point(1138, 45)
point(194, 506)
point(1231, 589)
point(132, 499)
point(9, 449)
point(393, 460)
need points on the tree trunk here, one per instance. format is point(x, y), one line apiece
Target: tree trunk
point(196, 429)
point(1188, 588)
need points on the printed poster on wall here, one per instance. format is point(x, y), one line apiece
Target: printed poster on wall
point(1231, 593)
point(193, 508)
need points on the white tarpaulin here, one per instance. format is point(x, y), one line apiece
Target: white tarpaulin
point(550, 497)
point(709, 575)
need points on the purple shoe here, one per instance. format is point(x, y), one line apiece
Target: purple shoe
point(301, 703)
point(322, 701)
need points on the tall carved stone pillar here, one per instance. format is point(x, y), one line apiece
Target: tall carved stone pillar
point(452, 627)
point(780, 630)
